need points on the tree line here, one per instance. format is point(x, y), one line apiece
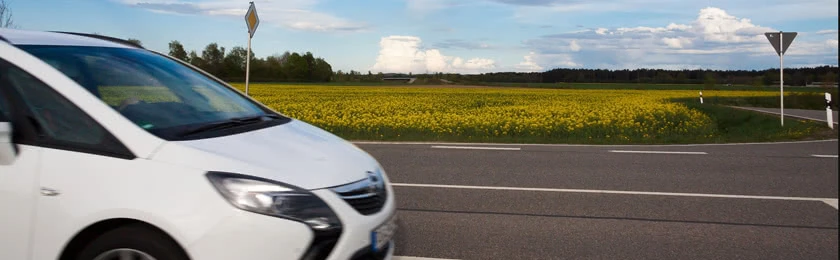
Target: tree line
point(792, 77)
point(229, 65)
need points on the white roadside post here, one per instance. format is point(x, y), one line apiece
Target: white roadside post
point(828, 114)
point(701, 97)
point(252, 21)
point(781, 45)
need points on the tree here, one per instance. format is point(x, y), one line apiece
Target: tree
point(758, 81)
point(310, 64)
point(829, 79)
point(234, 62)
point(710, 80)
point(135, 41)
point(6, 20)
point(196, 60)
point(213, 57)
point(770, 77)
point(177, 51)
point(296, 67)
point(323, 70)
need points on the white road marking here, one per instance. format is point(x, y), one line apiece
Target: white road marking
point(590, 145)
point(831, 202)
point(417, 258)
point(477, 148)
point(652, 193)
point(824, 156)
point(655, 152)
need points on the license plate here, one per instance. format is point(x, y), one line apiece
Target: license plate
point(383, 234)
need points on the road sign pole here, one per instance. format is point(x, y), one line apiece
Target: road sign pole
point(248, 65)
point(252, 21)
point(782, 77)
point(781, 46)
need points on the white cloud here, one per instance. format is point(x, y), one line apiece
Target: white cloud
point(574, 46)
point(601, 31)
point(291, 14)
point(832, 44)
point(677, 42)
point(718, 26)
point(403, 54)
point(713, 39)
point(529, 65)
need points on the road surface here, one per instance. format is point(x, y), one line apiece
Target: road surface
point(743, 201)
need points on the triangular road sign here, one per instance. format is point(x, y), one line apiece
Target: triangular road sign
point(787, 39)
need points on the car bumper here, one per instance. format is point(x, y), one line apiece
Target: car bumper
point(355, 241)
point(246, 235)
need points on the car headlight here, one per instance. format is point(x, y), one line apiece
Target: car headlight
point(277, 199)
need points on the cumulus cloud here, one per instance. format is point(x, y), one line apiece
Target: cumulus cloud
point(403, 54)
point(462, 44)
point(677, 42)
point(529, 65)
point(574, 46)
point(601, 31)
point(714, 39)
point(291, 14)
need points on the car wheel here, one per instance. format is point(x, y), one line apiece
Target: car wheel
point(132, 242)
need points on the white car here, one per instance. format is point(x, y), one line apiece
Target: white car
point(112, 151)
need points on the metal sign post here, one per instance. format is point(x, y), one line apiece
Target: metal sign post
point(252, 21)
point(781, 45)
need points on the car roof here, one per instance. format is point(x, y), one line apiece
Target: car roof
point(28, 37)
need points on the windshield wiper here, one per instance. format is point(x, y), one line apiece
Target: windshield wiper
point(233, 122)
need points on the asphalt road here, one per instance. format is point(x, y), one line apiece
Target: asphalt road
point(749, 201)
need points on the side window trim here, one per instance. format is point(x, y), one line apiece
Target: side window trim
point(23, 117)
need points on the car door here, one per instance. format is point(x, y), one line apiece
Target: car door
point(74, 149)
point(18, 178)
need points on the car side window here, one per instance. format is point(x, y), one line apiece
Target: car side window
point(58, 122)
point(5, 111)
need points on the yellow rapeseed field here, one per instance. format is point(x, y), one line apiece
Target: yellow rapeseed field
point(507, 114)
point(485, 114)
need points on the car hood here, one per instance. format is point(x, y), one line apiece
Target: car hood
point(294, 153)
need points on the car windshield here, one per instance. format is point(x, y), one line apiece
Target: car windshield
point(157, 93)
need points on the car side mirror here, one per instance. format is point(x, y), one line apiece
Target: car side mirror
point(7, 148)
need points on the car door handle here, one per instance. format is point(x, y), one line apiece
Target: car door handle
point(49, 192)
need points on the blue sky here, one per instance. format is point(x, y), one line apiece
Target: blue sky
point(470, 36)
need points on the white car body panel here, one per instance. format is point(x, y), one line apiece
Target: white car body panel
point(281, 151)
point(94, 188)
point(37, 37)
point(18, 197)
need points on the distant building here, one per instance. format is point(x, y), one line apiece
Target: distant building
point(399, 77)
point(820, 84)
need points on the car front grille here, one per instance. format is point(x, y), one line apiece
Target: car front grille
point(367, 196)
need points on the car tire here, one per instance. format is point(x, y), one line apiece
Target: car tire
point(136, 239)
